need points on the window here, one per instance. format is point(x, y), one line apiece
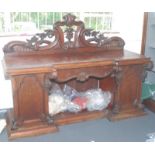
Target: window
point(126, 24)
point(24, 21)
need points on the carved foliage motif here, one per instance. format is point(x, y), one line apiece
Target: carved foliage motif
point(82, 77)
point(117, 75)
point(65, 34)
point(98, 39)
point(39, 39)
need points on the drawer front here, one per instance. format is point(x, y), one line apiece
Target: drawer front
point(82, 74)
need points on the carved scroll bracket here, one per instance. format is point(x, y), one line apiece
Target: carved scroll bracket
point(138, 104)
point(15, 124)
point(48, 77)
point(47, 118)
point(117, 75)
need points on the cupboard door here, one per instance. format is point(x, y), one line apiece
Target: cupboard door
point(30, 97)
point(131, 86)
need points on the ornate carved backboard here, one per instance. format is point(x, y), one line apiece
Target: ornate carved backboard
point(66, 34)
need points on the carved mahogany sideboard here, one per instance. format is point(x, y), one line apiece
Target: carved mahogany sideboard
point(82, 58)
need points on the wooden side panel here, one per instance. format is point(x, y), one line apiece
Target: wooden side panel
point(131, 85)
point(30, 98)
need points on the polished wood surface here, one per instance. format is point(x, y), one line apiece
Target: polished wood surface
point(86, 60)
point(45, 63)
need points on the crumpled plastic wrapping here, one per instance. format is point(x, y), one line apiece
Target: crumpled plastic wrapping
point(69, 95)
point(69, 92)
point(56, 100)
point(72, 107)
point(97, 99)
point(71, 100)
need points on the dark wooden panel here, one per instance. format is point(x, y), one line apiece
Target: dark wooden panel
point(131, 85)
point(29, 96)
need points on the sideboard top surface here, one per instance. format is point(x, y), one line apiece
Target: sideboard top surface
point(47, 62)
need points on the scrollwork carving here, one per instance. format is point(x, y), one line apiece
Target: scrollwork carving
point(138, 104)
point(73, 35)
point(94, 36)
point(117, 75)
point(47, 118)
point(39, 39)
point(98, 39)
point(48, 77)
point(16, 124)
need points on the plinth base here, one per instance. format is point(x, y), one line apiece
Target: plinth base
point(125, 114)
point(31, 128)
point(38, 127)
point(150, 104)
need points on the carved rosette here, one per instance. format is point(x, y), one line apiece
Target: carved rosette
point(82, 77)
point(69, 33)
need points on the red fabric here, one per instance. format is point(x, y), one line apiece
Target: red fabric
point(81, 101)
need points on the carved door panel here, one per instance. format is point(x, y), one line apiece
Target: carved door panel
point(30, 98)
point(131, 86)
